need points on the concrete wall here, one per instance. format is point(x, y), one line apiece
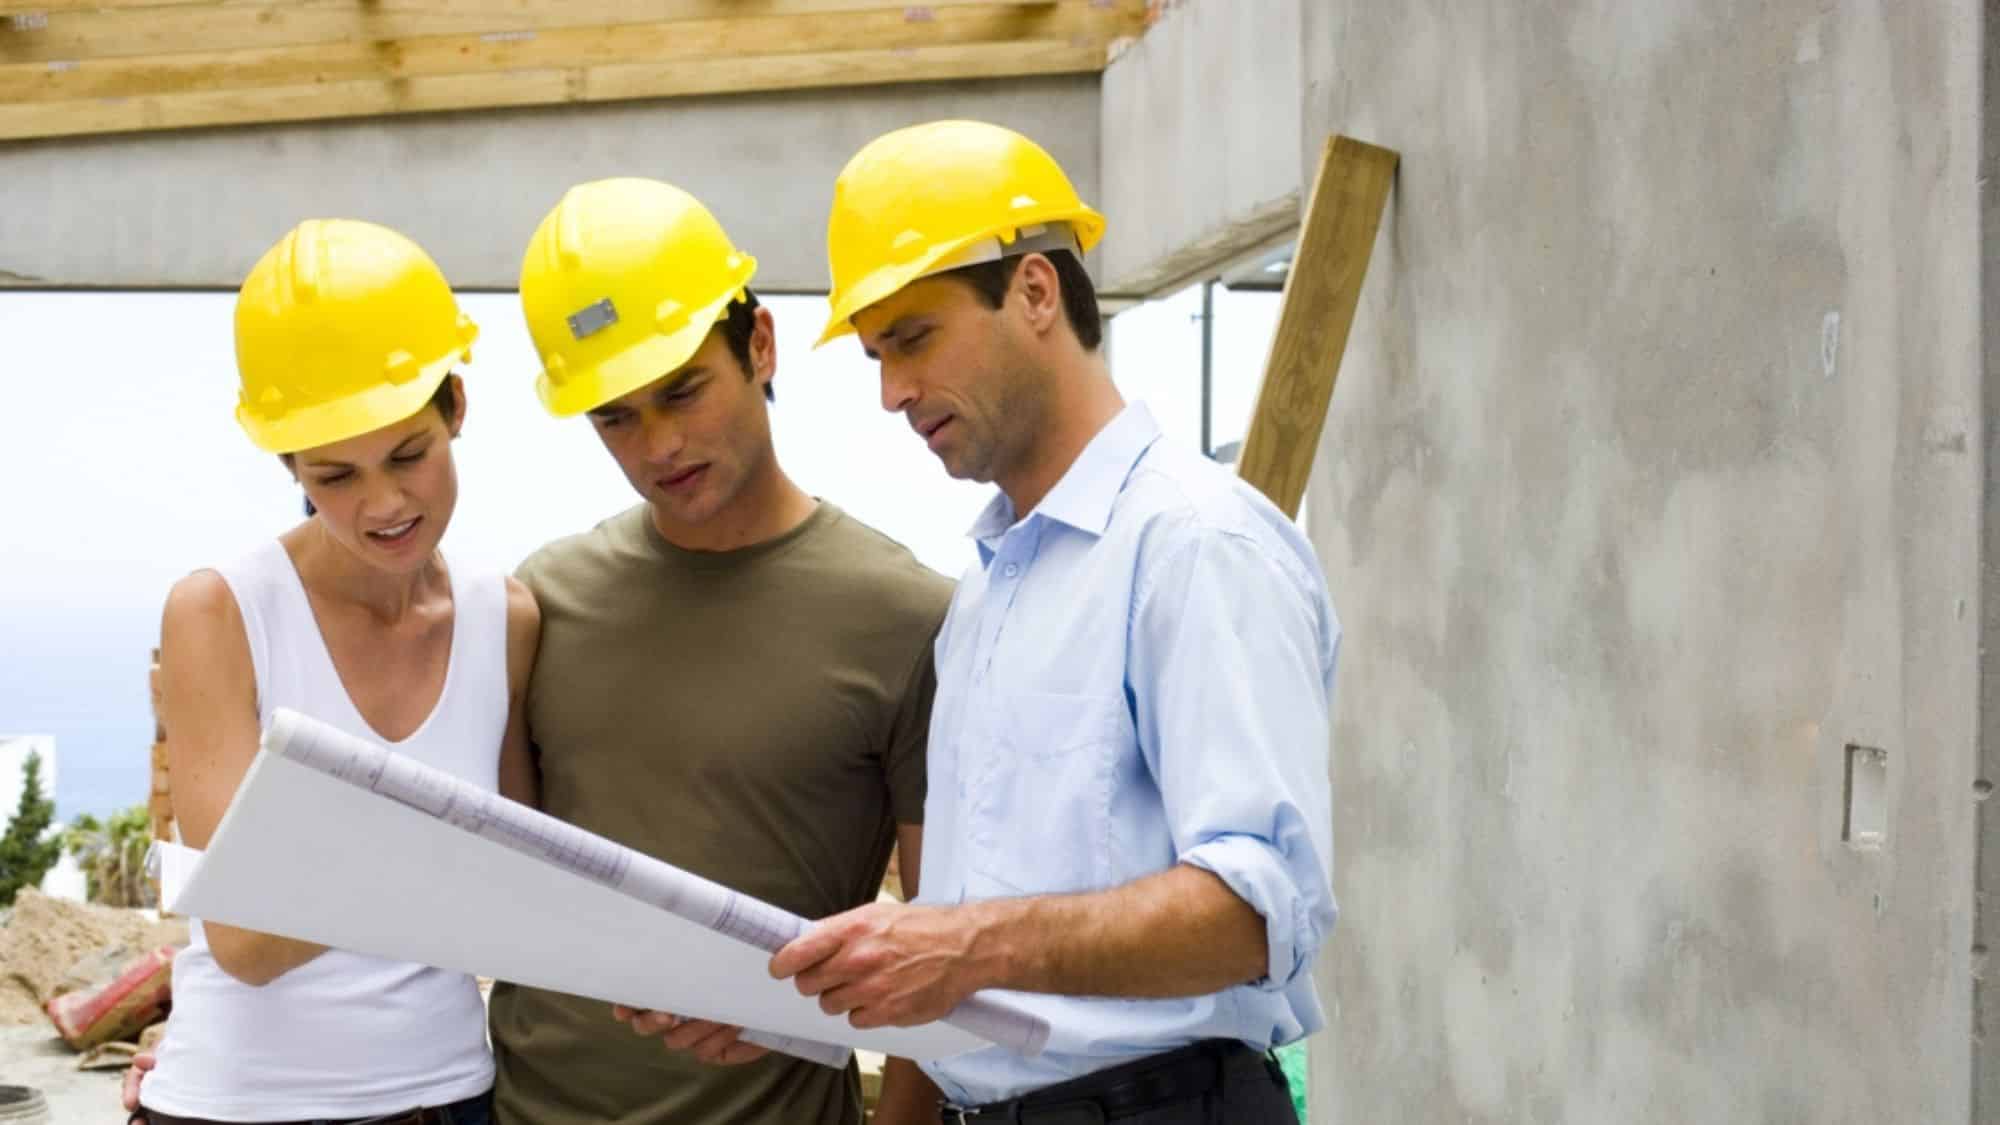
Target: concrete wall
point(195, 209)
point(1986, 917)
point(1653, 481)
point(1200, 125)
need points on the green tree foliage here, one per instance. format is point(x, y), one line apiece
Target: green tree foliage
point(112, 854)
point(26, 850)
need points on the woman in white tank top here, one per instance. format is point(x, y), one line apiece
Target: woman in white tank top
point(346, 334)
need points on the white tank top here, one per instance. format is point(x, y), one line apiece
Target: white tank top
point(343, 1035)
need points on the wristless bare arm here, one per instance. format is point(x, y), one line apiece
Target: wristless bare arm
point(209, 707)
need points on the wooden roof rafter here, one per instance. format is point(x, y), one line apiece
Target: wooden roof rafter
point(74, 67)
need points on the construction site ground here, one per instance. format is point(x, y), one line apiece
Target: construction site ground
point(33, 1056)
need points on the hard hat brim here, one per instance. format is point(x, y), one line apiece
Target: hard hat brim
point(646, 361)
point(309, 427)
point(890, 280)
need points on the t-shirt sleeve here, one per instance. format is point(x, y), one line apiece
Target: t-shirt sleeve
point(529, 573)
point(909, 738)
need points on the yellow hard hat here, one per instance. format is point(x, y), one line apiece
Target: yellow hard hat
point(934, 197)
point(341, 328)
point(620, 285)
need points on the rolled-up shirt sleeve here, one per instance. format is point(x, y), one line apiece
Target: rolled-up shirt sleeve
point(1232, 658)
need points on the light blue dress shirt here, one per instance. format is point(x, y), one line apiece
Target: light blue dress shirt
point(1139, 674)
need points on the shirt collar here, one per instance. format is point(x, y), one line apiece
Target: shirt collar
point(1083, 498)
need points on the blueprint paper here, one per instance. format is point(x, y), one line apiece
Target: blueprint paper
point(335, 840)
point(178, 864)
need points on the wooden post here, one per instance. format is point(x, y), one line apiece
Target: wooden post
point(1321, 293)
point(159, 795)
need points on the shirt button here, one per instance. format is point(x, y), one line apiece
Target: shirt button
point(1011, 570)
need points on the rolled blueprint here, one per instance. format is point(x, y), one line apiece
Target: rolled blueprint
point(538, 835)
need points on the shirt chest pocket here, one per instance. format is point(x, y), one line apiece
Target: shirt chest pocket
point(1040, 799)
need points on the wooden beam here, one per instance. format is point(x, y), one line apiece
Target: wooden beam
point(140, 76)
point(371, 97)
point(843, 68)
point(44, 7)
point(1321, 293)
point(230, 25)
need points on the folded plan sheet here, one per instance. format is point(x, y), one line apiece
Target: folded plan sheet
point(335, 840)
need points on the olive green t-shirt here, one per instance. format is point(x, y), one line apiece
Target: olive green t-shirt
point(755, 716)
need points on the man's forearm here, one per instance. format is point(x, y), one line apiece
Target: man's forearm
point(1182, 932)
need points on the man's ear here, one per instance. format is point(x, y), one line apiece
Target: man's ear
point(1038, 285)
point(763, 346)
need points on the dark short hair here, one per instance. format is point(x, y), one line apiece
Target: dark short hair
point(443, 402)
point(738, 325)
point(1079, 297)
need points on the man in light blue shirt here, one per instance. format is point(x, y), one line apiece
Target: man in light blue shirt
point(1129, 820)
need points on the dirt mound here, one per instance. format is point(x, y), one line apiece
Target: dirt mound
point(45, 937)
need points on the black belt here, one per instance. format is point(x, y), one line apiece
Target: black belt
point(1121, 1091)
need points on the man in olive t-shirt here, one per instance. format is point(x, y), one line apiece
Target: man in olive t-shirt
point(757, 716)
point(733, 677)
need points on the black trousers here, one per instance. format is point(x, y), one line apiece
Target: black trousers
point(1220, 1082)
